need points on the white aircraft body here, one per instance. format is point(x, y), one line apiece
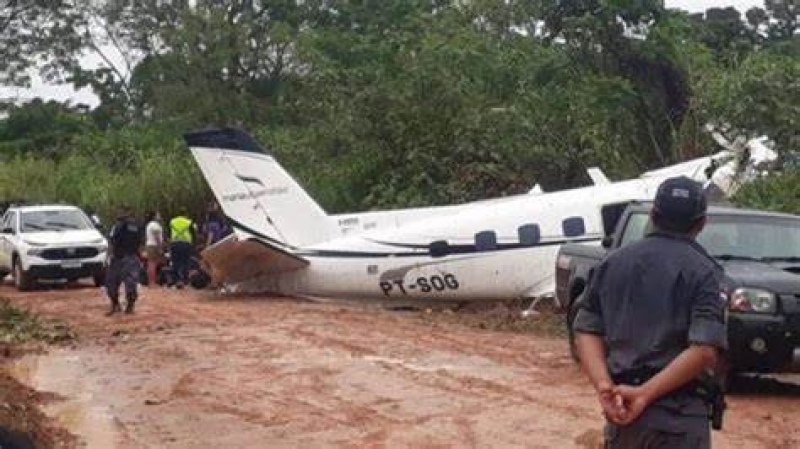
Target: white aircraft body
point(284, 242)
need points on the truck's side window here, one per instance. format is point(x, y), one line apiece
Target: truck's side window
point(635, 228)
point(573, 227)
point(611, 214)
point(529, 234)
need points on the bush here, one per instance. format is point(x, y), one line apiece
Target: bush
point(19, 326)
point(779, 192)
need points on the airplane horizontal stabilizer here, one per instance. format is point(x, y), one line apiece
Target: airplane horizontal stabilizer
point(597, 176)
point(236, 260)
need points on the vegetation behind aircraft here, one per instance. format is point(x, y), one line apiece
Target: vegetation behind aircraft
point(394, 103)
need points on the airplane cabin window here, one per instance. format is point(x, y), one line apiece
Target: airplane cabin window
point(486, 241)
point(529, 234)
point(573, 227)
point(439, 248)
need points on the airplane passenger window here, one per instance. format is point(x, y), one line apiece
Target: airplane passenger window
point(573, 227)
point(486, 241)
point(529, 234)
point(439, 248)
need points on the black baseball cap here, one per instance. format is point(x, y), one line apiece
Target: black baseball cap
point(680, 202)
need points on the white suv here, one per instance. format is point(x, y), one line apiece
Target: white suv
point(50, 242)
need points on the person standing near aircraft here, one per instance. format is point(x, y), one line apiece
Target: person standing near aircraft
point(153, 246)
point(123, 268)
point(650, 322)
point(216, 228)
point(182, 237)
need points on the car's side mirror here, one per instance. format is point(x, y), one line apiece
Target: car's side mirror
point(607, 241)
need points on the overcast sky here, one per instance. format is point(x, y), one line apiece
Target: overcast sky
point(702, 5)
point(85, 95)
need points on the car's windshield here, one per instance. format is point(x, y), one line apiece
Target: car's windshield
point(53, 220)
point(736, 236)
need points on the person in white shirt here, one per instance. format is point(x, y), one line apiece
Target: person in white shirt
point(153, 246)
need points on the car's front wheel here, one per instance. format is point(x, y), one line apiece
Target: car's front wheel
point(22, 279)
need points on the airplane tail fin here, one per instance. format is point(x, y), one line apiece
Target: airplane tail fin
point(256, 194)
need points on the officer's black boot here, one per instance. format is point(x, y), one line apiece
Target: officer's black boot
point(129, 304)
point(115, 307)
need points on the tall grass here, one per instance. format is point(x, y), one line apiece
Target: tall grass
point(105, 172)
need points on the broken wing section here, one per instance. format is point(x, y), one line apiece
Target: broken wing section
point(239, 258)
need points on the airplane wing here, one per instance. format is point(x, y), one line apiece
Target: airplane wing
point(237, 259)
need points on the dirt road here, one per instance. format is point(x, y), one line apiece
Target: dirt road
point(193, 369)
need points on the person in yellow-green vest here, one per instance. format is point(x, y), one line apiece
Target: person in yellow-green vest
point(182, 234)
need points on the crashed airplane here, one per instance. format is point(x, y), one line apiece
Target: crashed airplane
point(284, 242)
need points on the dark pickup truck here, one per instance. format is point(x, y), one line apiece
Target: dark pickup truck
point(760, 254)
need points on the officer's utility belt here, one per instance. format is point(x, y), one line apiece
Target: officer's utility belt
point(707, 389)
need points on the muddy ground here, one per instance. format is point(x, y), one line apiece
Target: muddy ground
point(196, 369)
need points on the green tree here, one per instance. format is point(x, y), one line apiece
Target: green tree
point(36, 30)
point(723, 31)
point(760, 97)
point(784, 15)
point(44, 128)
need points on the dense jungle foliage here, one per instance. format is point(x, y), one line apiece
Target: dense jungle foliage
point(392, 103)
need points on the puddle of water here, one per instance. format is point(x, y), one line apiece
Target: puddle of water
point(79, 412)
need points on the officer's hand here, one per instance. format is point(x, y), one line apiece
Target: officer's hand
point(634, 399)
point(612, 403)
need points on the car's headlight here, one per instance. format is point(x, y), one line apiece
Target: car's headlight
point(100, 241)
point(35, 251)
point(753, 300)
point(29, 243)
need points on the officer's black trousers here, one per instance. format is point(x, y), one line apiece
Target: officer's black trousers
point(122, 270)
point(639, 436)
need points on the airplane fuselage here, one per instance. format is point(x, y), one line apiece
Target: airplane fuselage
point(492, 250)
point(495, 249)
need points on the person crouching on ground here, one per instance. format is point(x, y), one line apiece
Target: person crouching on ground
point(182, 237)
point(153, 246)
point(125, 239)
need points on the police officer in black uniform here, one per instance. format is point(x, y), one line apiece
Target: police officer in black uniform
point(650, 322)
point(125, 238)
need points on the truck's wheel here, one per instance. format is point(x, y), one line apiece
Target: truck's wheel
point(3, 275)
point(571, 312)
point(22, 280)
